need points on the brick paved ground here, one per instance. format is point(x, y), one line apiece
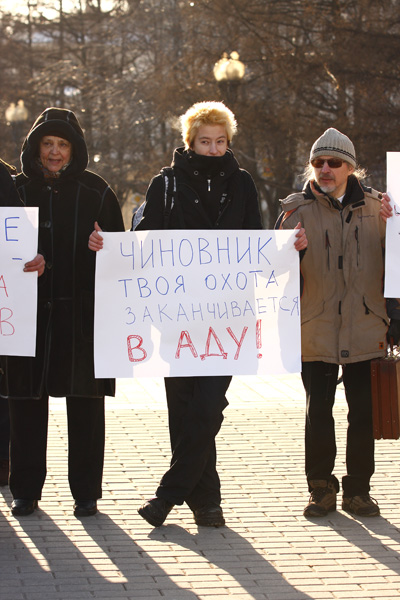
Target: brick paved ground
point(268, 549)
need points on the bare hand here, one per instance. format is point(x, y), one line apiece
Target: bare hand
point(301, 242)
point(386, 211)
point(37, 264)
point(95, 239)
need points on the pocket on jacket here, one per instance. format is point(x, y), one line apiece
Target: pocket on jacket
point(376, 308)
point(87, 315)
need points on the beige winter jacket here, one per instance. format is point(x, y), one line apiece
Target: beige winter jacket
point(343, 311)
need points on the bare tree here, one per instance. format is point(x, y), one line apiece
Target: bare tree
point(129, 71)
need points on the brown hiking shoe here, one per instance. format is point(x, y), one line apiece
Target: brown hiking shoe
point(362, 506)
point(322, 499)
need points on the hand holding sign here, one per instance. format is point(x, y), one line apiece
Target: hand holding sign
point(37, 264)
point(95, 239)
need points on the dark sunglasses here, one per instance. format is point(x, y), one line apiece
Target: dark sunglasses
point(333, 163)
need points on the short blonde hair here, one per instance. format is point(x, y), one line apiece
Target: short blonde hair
point(206, 113)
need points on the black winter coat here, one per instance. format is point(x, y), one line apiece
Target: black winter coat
point(8, 193)
point(68, 207)
point(212, 193)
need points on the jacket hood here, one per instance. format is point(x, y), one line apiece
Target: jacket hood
point(60, 122)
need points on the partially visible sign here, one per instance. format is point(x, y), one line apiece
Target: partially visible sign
point(392, 251)
point(179, 303)
point(18, 290)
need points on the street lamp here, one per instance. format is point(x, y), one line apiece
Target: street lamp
point(229, 72)
point(16, 116)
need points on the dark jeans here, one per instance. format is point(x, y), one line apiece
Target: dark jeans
point(319, 381)
point(28, 433)
point(195, 406)
point(4, 429)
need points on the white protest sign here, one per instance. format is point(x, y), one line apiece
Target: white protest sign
point(180, 303)
point(18, 290)
point(392, 250)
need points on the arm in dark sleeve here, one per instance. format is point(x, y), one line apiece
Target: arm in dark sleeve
point(252, 216)
point(153, 213)
point(393, 308)
point(110, 216)
point(8, 192)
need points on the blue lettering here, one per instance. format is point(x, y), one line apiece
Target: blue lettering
point(220, 250)
point(167, 251)
point(144, 261)
point(213, 280)
point(223, 314)
point(225, 280)
point(147, 315)
point(261, 248)
point(125, 287)
point(180, 284)
point(195, 311)
point(190, 253)
point(247, 251)
point(236, 312)
point(244, 284)
point(159, 281)
point(143, 285)
point(162, 314)
point(248, 307)
point(181, 313)
point(7, 227)
point(255, 276)
point(202, 250)
point(271, 279)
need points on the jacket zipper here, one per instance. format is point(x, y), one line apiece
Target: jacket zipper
point(223, 211)
point(327, 246)
point(209, 184)
point(358, 244)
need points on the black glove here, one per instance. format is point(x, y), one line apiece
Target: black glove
point(393, 333)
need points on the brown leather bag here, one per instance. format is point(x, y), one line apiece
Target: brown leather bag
point(385, 388)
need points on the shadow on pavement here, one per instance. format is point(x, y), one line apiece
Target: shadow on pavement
point(229, 551)
point(39, 560)
point(365, 533)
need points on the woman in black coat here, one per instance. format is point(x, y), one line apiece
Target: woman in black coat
point(70, 199)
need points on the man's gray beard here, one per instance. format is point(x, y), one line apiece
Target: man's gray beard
point(327, 189)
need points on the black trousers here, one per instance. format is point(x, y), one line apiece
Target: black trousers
point(195, 406)
point(4, 429)
point(319, 381)
point(28, 446)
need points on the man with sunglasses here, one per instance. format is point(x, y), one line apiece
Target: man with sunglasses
point(344, 317)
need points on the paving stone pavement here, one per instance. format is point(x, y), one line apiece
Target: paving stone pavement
point(268, 550)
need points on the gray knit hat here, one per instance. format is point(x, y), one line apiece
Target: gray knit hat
point(334, 143)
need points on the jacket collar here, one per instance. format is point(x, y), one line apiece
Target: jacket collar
point(355, 193)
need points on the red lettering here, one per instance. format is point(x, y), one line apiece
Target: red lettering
point(258, 337)
point(239, 344)
point(3, 287)
point(5, 320)
point(222, 353)
point(137, 347)
point(189, 344)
